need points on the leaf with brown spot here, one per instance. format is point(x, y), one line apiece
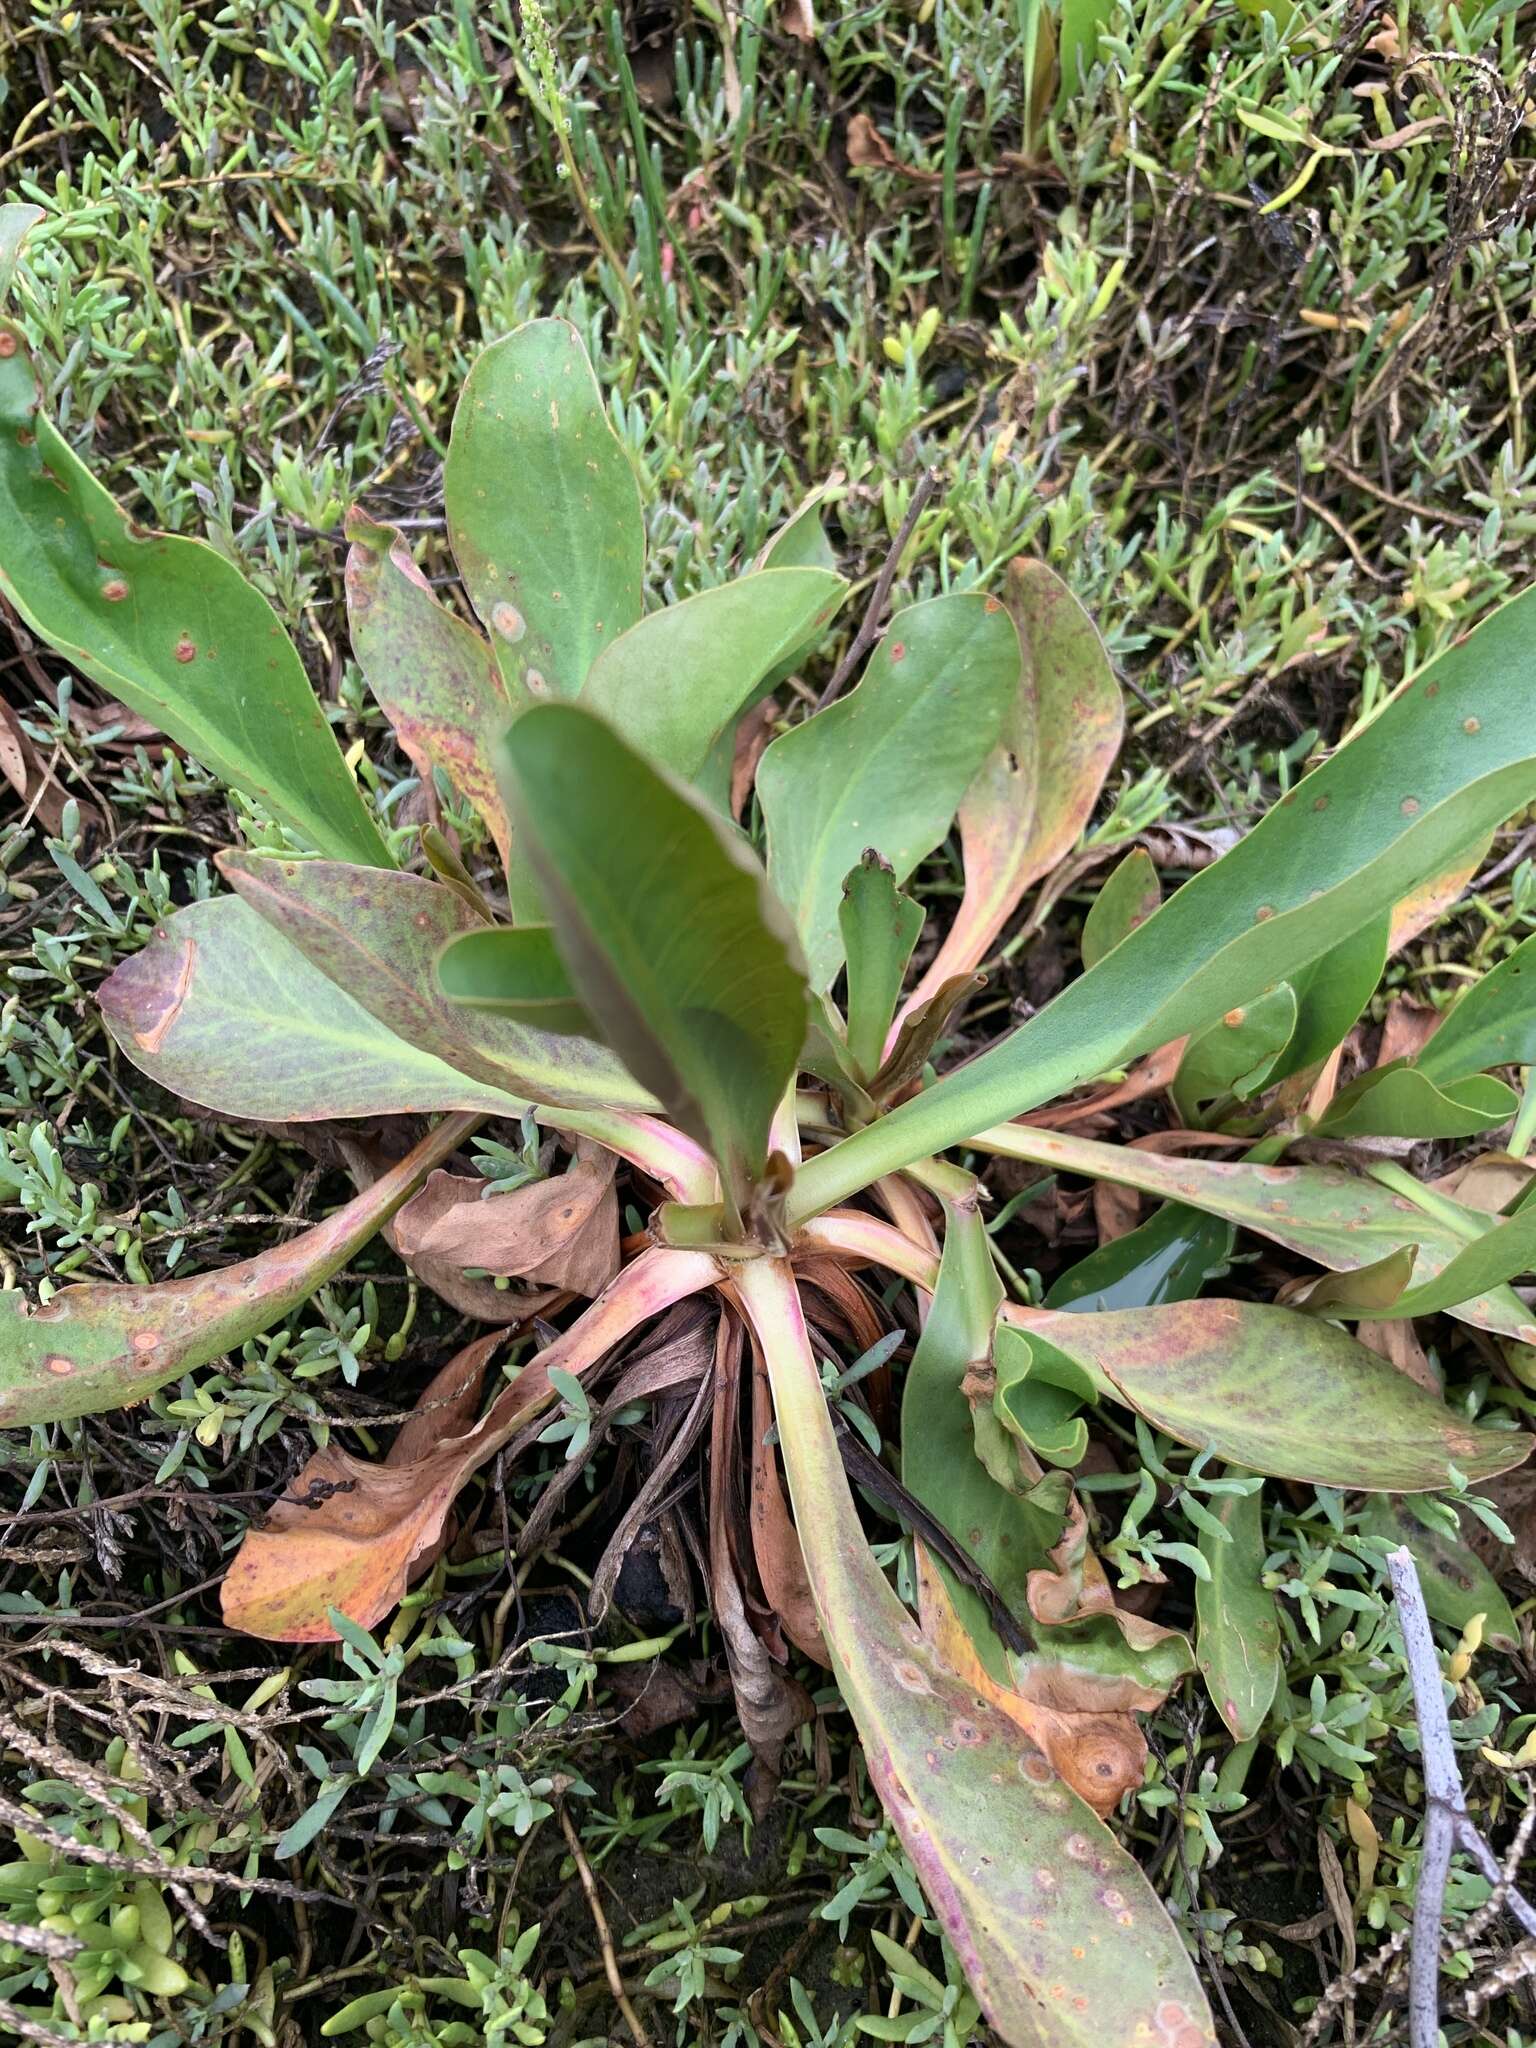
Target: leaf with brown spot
point(169, 626)
point(101, 1346)
point(1096, 1749)
point(1025, 809)
point(1340, 1219)
point(349, 1534)
point(434, 677)
point(1278, 1392)
point(1022, 1875)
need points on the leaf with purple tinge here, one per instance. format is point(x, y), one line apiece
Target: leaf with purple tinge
point(378, 937)
point(1059, 1933)
point(1025, 809)
point(103, 1346)
point(1279, 1392)
point(434, 677)
point(1341, 1219)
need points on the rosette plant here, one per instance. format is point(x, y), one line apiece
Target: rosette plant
point(720, 1018)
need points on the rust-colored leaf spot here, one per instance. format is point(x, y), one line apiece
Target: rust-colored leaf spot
point(899, 650)
point(145, 1340)
point(185, 650)
point(1263, 914)
point(115, 590)
point(1233, 1018)
point(59, 1365)
point(508, 621)
point(1409, 805)
point(7, 344)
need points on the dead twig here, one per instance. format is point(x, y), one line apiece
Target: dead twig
point(869, 625)
point(605, 1939)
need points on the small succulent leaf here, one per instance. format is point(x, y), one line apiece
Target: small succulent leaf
point(1235, 1057)
point(879, 926)
point(103, 1346)
point(1330, 995)
point(169, 627)
point(1400, 1101)
point(1451, 754)
point(1019, 1870)
point(1168, 1258)
point(885, 766)
point(1036, 790)
point(1237, 1643)
point(515, 973)
point(544, 512)
point(222, 1011)
point(378, 937)
point(677, 680)
point(1341, 1219)
point(1493, 1025)
point(1456, 1583)
point(16, 222)
point(667, 929)
point(1128, 898)
point(434, 678)
point(1281, 1393)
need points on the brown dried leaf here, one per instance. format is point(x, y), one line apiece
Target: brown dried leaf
point(797, 18)
point(1149, 1076)
point(41, 795)
point(1397, 1339)
point(769, 1703)
point(562, 1232)
point(1408, 1029)
point(1488, 1183)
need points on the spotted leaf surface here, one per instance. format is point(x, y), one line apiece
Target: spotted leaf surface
point(168, 626)
point(1062, 1939)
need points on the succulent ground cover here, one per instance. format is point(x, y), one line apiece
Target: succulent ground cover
point(1164, 404)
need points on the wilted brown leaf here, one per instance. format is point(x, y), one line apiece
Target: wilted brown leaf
point(561, 1233)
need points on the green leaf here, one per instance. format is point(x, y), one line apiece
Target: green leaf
point(1168, 1258)
point(1279, 1392)
point(1494, 1024)
point(1082, 22)
point(376, 937)
point(667, 930)
point(1457, 1584)
point(1035, 792)
point(1504, 1251)
point(222, 1011)
point(1038, 1396)
point(1399, 1101)
point(1330, 995)
point(1235, 1057)
point(100, 1346)
point(16, 222)
point(167, 626)
point(1020, 1873)
point(1453, 752)
point(886, 766)
point(1341, 1219)
point(543, 509)
point(879, 926)
point(518, 974)
point(676, 681)
point(801, 542)
point(1237, 1646)
point(1129, 897)
point(939, 1466)
point(435, 679)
